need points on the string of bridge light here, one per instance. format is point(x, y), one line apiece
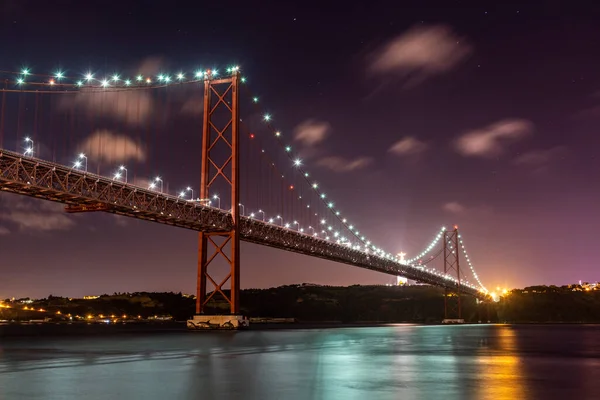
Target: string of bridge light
point(88, 79)
point(432, 245)
point(297, 162)
point(342, 240)
point(428, 248)
point(470, 264)
point(451, 246)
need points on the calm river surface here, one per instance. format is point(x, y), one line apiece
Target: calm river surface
point(389, 362)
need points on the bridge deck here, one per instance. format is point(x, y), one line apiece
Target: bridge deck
point(50, 181)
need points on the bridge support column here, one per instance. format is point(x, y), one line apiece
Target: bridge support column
point(219, 172)
point(452, 306)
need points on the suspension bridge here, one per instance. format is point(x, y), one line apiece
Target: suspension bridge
point(253, 185)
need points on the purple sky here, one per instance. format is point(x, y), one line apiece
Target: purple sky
point(409, 117)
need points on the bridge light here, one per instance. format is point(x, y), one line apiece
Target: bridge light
point(267, 117)
point(139, 78)
point(25, 71)
point(89, 76)
point(199, 74)
point(115, 78)
point(180, 76)
point(127, 82)
point(20, 81)
point(105, 83)
point(297, 162)
point(59, 75)
point(255, 99)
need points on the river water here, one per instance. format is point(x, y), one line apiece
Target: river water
point(389, 362)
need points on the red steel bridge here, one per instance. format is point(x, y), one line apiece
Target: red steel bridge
point(282, 209)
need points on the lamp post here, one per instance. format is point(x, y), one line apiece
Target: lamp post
point(243, 208)
point(263, 215)
point(215, 197)
point(189, 189)
point(279, 217)
point(154, 183)
point(118, 174)
point(84, 158)
point(29, 150)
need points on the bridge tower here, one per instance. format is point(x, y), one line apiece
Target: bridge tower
point(452, 306)
point(220, 129)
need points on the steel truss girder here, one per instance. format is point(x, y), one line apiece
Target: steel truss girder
point(37, 178)
point(50, 181)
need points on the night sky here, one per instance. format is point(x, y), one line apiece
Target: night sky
point(413, 115)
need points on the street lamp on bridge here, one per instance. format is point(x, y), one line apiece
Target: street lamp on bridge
point(29, 150)
point(243, 208)
point(263, 214)
point(118, 175)
point(216, 197)
point(187, 189)
point(155, 182)
point(78, 163)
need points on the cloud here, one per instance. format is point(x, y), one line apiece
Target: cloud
point(408, 146)
point(453, 207)
point(193, 106)
point(133, 107)
point(34, 215)
point(311, 132)
point(539, 158)
point(420, 53)
point(490, 140)
point(4, 231)
point(339, 164)
point(104, 145)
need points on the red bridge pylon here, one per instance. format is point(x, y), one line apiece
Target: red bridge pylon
point(220, 126)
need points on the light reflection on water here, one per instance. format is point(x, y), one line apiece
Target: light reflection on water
point(401, 361)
